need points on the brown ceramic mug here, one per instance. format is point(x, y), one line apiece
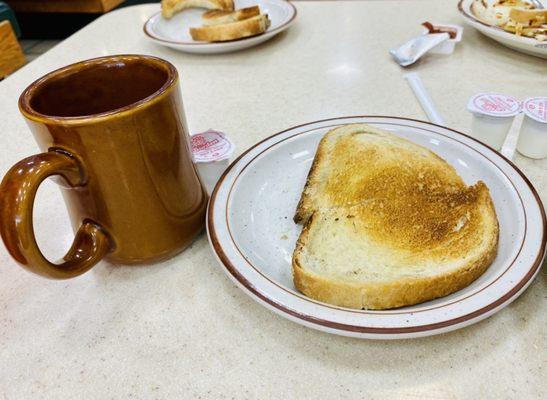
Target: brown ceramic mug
point(113, 130)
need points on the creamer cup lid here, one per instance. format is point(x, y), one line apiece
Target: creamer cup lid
point(494, 105)
point(536, 108)
point(211, 146)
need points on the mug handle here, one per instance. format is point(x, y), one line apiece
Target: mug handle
point(18, 190)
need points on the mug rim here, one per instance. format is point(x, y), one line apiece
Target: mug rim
point(26, 96)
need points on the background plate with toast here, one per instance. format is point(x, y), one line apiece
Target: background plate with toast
point(252, 233)
point(174, 32)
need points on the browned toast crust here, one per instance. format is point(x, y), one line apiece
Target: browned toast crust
point(236, 30)
point(418, 208)
point(237, 15)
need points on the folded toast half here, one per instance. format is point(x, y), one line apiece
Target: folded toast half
point(388, 223)
point(235, 30)
point(218, 17)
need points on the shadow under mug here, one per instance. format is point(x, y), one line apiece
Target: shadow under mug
point(112, 130)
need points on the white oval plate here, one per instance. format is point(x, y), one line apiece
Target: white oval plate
point(252, 234)
point(523, 44)
point(175, 32)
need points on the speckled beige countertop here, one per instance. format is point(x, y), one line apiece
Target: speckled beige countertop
point(181, 329)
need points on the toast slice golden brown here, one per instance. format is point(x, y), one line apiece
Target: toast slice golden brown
point(388, 223)
point(236, 30)
point(171, 7)
point(219, 17)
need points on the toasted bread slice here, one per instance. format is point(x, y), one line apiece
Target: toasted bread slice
point(171, 7)
point(355, 154)
point(236, 30)
point(388, 223)
point(219, 17)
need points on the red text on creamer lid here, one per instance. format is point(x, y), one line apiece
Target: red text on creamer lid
point(211, 146)
point(494, 104)
point(536, 108)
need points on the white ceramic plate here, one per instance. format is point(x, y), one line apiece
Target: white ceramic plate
point(252, 234)
point(175, 32)
point(522, 44)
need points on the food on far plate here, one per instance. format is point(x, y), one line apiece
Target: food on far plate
point(218, 17)
point(235, 30)
point(520, 17)
point(221, 23)
point(528, 17)
point(388, 223)
point(171, 7)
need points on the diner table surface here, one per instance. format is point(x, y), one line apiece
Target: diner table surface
point(181, 328)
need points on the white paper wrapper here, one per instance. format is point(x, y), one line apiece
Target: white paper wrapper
point(437, 38)
point(412, 50)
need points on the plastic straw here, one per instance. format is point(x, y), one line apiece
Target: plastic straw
point(426, 102)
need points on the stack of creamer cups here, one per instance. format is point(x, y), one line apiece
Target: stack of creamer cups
point(493, 115)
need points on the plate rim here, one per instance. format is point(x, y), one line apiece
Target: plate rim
point(342, 328)
point(531, 42)
point(280, 28)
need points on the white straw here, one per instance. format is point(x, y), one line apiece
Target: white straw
point(510, 143)
point(418, 88)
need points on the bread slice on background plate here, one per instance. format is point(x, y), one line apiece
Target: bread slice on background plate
point(236, 30)
point(171, 7)
point(218, 17)
point(388, 223)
